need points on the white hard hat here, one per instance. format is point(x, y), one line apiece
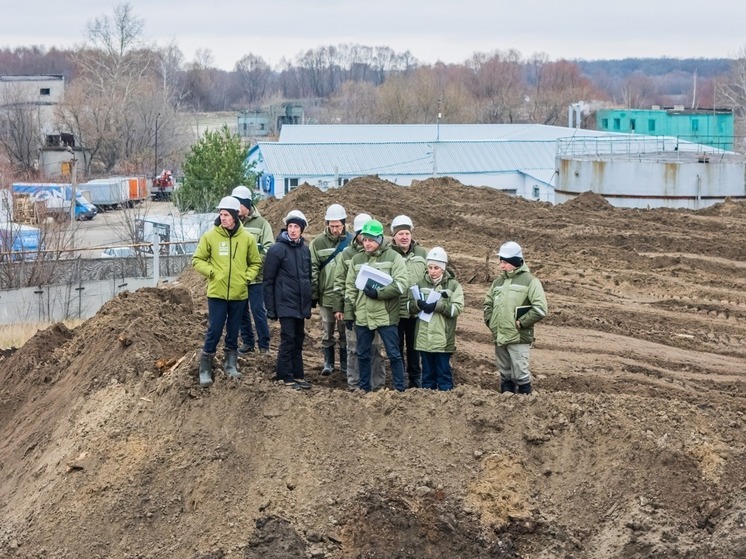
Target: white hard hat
point(229, 203)
point(401, 221)
point(438, 254)
point(511, 249)
point(296, 214)
point(360, 220)
point(241, 191)
point(335, 212)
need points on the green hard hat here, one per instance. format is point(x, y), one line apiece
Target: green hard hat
point(373, 228)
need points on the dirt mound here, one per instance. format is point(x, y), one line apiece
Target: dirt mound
point(588, 201)
point(632, 446)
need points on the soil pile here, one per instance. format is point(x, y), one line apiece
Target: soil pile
point(632, 446)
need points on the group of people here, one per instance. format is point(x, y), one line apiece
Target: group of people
point(372, 294)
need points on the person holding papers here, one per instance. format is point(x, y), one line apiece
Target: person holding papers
point(437, 299)
point(378, 372)
point(376, 280)
point(514, 303)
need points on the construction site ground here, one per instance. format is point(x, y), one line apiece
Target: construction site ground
point(633, 444)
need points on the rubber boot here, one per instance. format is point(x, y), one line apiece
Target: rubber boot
point(328, 361)
point(343, 360)
point(231, 358)
point(205, 369)
point(524, 388)
point(507, 386)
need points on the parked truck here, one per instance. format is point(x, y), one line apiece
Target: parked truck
point(109, 193)
point(55, 199)
point(19, 241)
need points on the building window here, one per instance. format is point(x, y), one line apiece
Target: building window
point(695, 125)
point(605, 123)
point(651, 125)
point(45, 91)
point(537, 192)
point(632, 124)
point(290, 184)
point(617, 124)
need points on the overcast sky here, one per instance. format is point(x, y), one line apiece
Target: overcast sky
point(432, 30)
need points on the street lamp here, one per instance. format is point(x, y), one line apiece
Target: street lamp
point(155, 173)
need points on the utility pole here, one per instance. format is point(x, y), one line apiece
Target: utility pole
point(155, 173)
point(73, 185)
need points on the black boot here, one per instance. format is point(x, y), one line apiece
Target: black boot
point(230, 368)
point(524, 388)
point(328, 361)
point(507, 386)
point(205, 369)
point(343, 360)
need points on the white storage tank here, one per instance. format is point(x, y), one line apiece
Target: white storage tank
point(681, 177)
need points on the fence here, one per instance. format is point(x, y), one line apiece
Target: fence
point(76, 288)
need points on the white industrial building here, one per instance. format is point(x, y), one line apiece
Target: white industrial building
point(521, 159)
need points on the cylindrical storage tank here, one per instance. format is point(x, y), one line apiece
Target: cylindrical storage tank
point(678, 180)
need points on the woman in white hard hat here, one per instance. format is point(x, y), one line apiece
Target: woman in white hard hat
point(440, 301)
point(514, 303)
point(287, 297)
point(229, 259)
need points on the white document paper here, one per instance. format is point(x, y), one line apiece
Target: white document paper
point(370, 273)
point(415, 289)
point(432, 297)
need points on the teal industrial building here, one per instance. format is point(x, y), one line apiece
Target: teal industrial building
point(712, 127)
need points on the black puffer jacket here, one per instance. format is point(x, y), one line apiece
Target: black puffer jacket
point(287, 278)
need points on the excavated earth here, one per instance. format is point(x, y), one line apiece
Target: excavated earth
point(632, 446)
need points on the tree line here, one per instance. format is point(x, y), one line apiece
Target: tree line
point(122, 92)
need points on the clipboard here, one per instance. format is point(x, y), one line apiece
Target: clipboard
point(520, 311)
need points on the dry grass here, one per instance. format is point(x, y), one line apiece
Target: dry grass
point(15, 335)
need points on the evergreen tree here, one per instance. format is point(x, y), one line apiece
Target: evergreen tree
point(213, 167)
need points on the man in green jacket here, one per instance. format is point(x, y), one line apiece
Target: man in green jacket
point(414, 259)
point(378, 372)
point(374, 306)
point(228, 257)
point(255, 224)
point(324, 250)
point(514, 303)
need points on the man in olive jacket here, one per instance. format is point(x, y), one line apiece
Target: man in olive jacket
point(414, 259)
point(255, 224)
point(228, 257)
point(375, 308)
point(514, 303)
point(324, 250)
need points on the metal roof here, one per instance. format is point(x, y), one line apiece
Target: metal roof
point(364, 133)
point(407, 158)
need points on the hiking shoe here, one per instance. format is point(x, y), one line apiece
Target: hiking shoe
point(246, 348)
point(263, 350)
point(303, 384)
point(291, 384)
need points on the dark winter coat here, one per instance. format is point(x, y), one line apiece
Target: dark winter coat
point(287, 278)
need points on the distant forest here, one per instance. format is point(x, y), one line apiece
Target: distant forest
point(325, 74)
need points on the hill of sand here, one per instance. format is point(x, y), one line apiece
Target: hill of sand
point(632, 446)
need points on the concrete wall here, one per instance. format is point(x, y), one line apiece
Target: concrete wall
point(52, 303)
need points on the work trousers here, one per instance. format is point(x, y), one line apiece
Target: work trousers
point(223, 314)
point(255, 307)
point(290, 354)
point(390, 338)
point(407, 332)
point(512, 362)
point(436, 370)
point(329, 325)
point(378, 370)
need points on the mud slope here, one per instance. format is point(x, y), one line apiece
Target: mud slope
point(632, 446)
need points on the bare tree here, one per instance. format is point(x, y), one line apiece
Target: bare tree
point(254, 78)
point(734, 93)
point(20, 126)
